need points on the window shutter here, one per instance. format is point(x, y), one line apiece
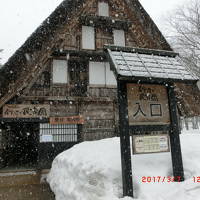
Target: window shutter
point(97, 73)
point(60, 71)
point(88, 37)
point(119, 38)
point(103, 9)
point(110, 78)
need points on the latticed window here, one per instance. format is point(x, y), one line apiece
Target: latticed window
point(58, 133)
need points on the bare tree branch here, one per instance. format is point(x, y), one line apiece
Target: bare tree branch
point(185, 33)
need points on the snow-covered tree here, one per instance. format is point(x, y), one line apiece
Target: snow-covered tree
point(185, 33)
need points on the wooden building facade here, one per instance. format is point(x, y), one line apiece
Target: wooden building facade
point(58, 89)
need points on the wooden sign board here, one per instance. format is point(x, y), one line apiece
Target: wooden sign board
point(26, 111)
point(150, 144)
point(67, 120)
point(147, 104)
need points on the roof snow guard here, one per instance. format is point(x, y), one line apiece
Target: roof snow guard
point(137, 63)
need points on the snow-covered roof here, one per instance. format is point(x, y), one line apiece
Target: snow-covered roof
point(149, 64)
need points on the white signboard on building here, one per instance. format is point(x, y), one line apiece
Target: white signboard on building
point(150, 144)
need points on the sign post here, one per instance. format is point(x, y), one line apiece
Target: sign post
point(177, 162)
point(144, 108)
point(147, 104)
point(125, 140)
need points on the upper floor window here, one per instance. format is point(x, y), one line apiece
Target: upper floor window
point(100, 74)
point(88, 37)
point(103, 9)
point(119, 38)
point(60, 71)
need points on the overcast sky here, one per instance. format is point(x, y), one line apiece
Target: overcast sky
point(19, 18)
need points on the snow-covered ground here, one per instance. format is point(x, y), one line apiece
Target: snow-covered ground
point(92, 171)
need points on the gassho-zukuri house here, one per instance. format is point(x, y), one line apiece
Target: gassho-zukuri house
point(59, 89)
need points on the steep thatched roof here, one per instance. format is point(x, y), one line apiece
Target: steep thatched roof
point(47, 29)
point(10, 71)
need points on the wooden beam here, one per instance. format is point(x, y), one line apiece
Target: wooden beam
point(176, 154)
point(64, 98)
point(35, 77)
point(105, 22)
point(141, 50)
point(125, 140)
point(81, 54)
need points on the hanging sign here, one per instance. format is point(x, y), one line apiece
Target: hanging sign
point(147, 104)
point(26, 111)
point(150, 144)
point(67, 120)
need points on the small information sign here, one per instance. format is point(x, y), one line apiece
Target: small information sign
point(147, 104)
point(150, 144)
point(46, 138)
point(67, 120)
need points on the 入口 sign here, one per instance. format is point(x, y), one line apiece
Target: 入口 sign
point(150, 144)
point(147, 104)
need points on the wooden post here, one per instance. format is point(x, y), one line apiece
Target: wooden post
point(181, 123)
point(125, 140)
point(174, 137)
point(186, 123)
point(196, 122)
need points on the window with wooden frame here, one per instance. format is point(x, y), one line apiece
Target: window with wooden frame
point(101, 75)
point(88, 37)
point(119, 38)
point(78, 76)
point(103, 9)
point(60, 72)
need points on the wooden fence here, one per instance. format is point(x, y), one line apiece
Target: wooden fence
point(190, 123)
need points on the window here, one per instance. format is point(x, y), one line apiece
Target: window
point(58, 133)
point(97, 73)
point(78, 77)
point(103, 9)
point(88, 37)
point(60, 71)
point(119, 38)
point(100, 74)
point(110, 78)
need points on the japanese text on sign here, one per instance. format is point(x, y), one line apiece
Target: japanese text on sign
point(150, 144)
point(67, 120)
point(26, 111)
point(147, 104)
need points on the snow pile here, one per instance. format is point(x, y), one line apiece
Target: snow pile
point(92, 171)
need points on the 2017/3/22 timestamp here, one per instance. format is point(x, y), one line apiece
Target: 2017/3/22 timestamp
point(196, 179)
point(159, 179)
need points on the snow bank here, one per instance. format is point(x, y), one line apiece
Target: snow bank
point(92, 171)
